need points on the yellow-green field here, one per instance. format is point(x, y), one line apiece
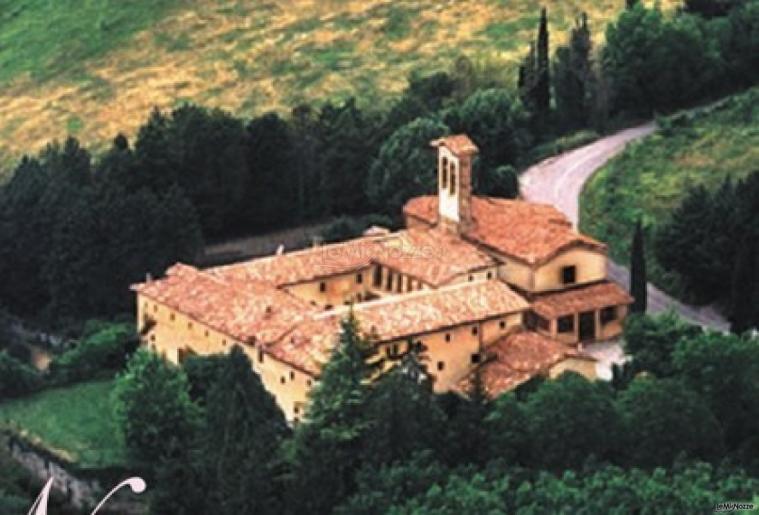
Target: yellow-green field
point(93, 68)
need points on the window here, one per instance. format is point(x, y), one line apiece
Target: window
point(359, 278)
point(471, 278)
point(444, 173)
point(260, 356)
point(189, 325)
point(282, 380)
point(475, 330)
point(608, 314)
point(441, 365)
point(566, 324)
point(399, 284)
point(534, 321)
point(322, 287)
point(292, 376)
point(308, 383)
point(206, 334)
point(155, 308)
point(475, 358)
point(172, 317)
point(296, 408)
point(490, 275)
point(152, 337)
point(502, 324)
point(569, 274)
point(224, 343)
point(447, 337)
point(453, 180)
point(378, 276)
point(389, 283)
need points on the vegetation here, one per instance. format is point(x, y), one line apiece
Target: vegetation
point(392, 446)
point(103, 349)
point(152, 403)
point(106, 64)
point(693, 151)
point(75, 422)
point(638, 278)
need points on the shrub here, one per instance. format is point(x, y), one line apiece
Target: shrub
point(104, 349)
point(16, 378)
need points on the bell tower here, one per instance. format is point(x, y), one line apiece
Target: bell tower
point(454, 189)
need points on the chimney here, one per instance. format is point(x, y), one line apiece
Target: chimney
point(455, 156)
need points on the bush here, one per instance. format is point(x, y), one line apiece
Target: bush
point(16, 378)
point(103, 349)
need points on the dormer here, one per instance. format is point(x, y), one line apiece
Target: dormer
point(455, 155)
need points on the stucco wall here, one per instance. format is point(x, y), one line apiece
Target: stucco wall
point(338, 289)
point(454, 348)
point(590, 267)
point(169, 337)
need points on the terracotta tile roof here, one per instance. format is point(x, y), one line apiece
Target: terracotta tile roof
point(518, 357)
point(246, 311)
point(393, 318)
point(435, 257)
point(459, 144)
point(304, 265)
point(583, 298)
point(532, 233)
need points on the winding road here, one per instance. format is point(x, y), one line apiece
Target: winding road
point(559, 181)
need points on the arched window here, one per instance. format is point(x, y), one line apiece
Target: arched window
point(444, 174)
point(453, 181)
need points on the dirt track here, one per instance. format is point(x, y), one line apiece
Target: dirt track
point(559, 181)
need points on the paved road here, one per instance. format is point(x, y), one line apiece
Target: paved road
point(559, 181)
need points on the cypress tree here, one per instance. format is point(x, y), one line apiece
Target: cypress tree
point(326, 444)
point(744, 288)
point(573, 77)
point(543, 79)
point(638, 271)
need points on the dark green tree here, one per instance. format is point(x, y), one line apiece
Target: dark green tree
point(243, 430)
point(382, 487)
point(711, 8)
point(543, 78)
point(502, 182)
point(651, 340)
point(405, 166)
point(497, 123)
point(508, 436)
point(570, 409)
point(723, 370)
point(638, 277)
point(326, 446)
point(573, 77)
point(404, 419)
point(16, 378)
point(152, 404)
point(744, 313)
point(274, 180)
point(661, 419)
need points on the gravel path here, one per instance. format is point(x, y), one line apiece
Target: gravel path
point(559, 181)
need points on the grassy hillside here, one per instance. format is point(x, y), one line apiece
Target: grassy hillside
point(650, 177)
point(96, 67)
point(77, 422)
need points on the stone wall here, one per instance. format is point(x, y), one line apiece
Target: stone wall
point(81, 491)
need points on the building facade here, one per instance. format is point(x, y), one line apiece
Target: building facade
point(505, 287)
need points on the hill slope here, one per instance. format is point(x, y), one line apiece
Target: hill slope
point(651, 177)
point(98, 68)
